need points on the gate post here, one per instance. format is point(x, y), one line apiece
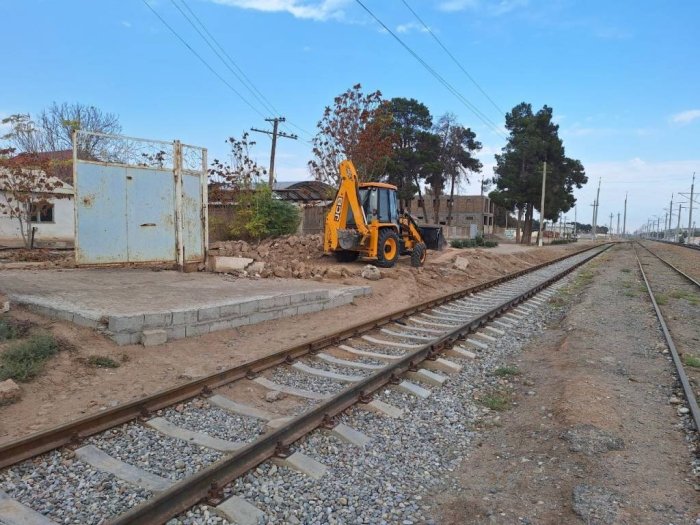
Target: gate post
point(179, 235)
point(205, 204)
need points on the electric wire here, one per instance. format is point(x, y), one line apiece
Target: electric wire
point(479, 114)
point(208, 66)
point(459, 65)
point(246, 81)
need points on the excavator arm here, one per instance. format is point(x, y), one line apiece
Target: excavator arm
point(347, 199)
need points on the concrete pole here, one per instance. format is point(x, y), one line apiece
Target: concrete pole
point(676, 236)
point(690, 210)
point(618, 223)
point(670, 212)
point(610, 227)
point(595, 210)
point(544, 182)
point(624, 221)
point(575, 219)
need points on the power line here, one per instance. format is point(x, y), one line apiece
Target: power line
point(246, 81)
point(208, 66)
point(240, 76)
point(435, 74)
point(427, 28)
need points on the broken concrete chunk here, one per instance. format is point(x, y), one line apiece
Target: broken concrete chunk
point(9, 392)
point(461, 263)
point(371, 273)
point(221, 264)
point(274, 395)
point(333, 273)
point(256, 267)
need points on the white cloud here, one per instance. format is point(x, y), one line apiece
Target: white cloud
point(305, 9)
point(126, 23)
point(686, 117)
point(410, 26)
point(490, 8)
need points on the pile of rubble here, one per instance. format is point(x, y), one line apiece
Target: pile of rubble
point(299, 256)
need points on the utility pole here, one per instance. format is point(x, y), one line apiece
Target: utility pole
point(610, 228)
point(275, 133)
point(670, 212)
point(618, 223)
point(666, 219)
point(690, 210)
point(544, 181)
point(596, 205)
point(677, 237)
point(575, 219)
point(624, 221)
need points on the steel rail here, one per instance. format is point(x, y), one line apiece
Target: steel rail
point(210, 480)
point(696, 283)
point(76, 430)
point(681, 244)
point(687, 388)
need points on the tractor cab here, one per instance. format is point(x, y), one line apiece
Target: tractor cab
point(379, 202)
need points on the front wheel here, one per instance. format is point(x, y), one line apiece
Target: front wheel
point(418, 255)
point(387, 248)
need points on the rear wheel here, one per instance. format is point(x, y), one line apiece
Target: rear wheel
point(387, 248)
point(344, 256)
point(418, 255)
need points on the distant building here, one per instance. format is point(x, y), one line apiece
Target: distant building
point(54, 223)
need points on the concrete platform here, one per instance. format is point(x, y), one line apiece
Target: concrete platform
point(125, 303)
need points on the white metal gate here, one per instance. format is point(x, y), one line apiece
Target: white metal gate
point(138, 200)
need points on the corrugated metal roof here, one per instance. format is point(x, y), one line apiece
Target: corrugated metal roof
point(304, 191)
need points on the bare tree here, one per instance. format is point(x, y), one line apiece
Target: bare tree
point(53, 129)
point(357, 127)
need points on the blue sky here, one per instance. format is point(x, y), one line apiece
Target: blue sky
point(623, 77)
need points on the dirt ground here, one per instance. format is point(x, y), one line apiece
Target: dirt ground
point(70, 388)
point(595, 436)
point(684, 259)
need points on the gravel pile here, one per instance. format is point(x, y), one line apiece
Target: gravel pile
point(69, 491)
point(201, 417)
point(152, 451)
point(288, 376)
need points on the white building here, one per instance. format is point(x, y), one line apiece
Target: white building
point(54, 223)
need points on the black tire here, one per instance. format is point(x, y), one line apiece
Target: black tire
point(418, 255)
point(388, 248)
point(345, 256)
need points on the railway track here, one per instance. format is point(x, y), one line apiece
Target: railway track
point(149, 460)
point(682, 244)
point(677, 295)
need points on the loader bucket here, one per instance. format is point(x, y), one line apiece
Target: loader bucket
point(433, 237)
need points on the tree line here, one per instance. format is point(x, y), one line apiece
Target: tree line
point(400, 142)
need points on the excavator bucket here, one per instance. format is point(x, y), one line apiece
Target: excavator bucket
point(433, 237)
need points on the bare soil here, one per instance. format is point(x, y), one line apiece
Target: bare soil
point(684, 259)
point(595, 436)
point(70, 388)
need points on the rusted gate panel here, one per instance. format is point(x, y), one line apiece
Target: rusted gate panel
point(130, 197)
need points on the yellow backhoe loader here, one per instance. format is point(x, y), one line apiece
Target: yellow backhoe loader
point(365, 221)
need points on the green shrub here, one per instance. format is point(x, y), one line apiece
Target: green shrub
point(7, 330)
point(24, 360)
point(506, 371)
point(498, 401)
point(479, 242)
point(101, 361)
point(259, 215)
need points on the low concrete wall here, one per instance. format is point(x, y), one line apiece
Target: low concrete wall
point(177, 324)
